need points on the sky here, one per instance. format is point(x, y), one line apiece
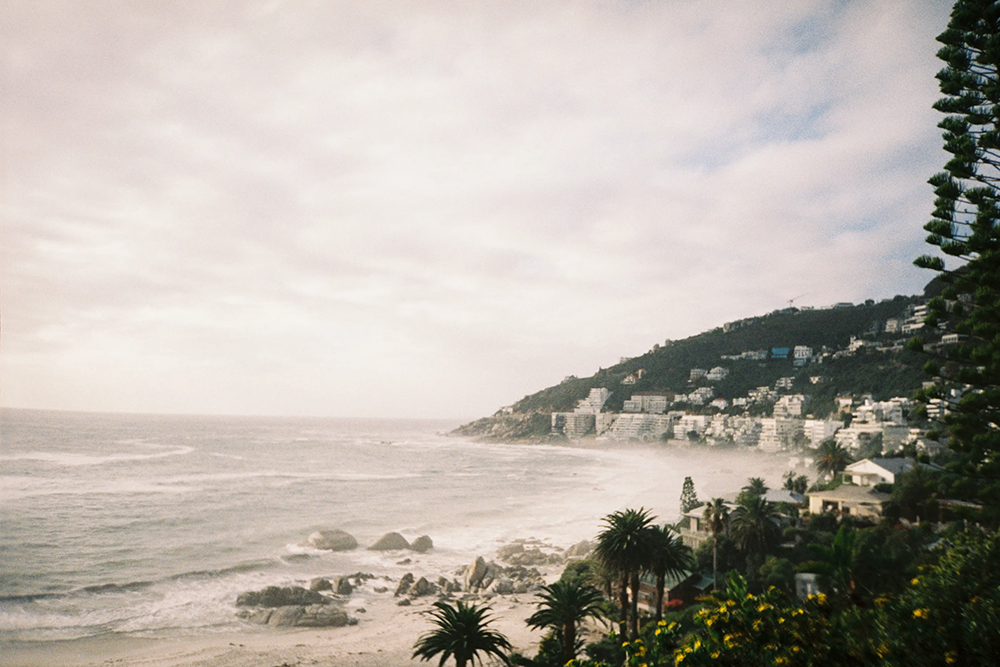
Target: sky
point(434, 208)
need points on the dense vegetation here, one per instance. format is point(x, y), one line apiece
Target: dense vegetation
point(667, 367)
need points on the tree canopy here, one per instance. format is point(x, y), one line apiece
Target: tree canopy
point(964, 227)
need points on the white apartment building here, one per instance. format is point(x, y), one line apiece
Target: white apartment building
point(784, 383)
point(640, 426)
point(717, 374)
point(801, 355)
point(790, 405)
point(777, 433)
point(651, 403)
point(594, 402)
point(689, 423)
point(818, 430)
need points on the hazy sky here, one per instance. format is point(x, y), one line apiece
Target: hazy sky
point(433, 208)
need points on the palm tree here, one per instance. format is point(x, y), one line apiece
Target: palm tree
point(831, 458)
point(623, 546)
point(563, 607)
point(462, 633)
point(668, 556)
point(756, 485)
point(717, 517)
point(755, 524)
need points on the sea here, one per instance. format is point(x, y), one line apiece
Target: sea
point(151, 525)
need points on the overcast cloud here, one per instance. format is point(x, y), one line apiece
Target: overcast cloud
point(434, 208)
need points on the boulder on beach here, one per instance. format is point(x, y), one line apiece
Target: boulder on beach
point(320, 584)
point(390, 542)
point(474, 573)
point(580, 550)
point(422, 587)
point(404, 585)
point(332, 540)
point(301, 616)
point(274, 596)
point(341, 586)
point(422, 544)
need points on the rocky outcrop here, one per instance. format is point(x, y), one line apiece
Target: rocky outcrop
point(474, 574)
point(341, 586)
point(274, 596)
point(518, 554)
point(302, 616)
point(291, 606)
point(390, 542)
point(404, 585)
point(320, 584)
point(422, 544)
point(332, 540)
point(581, 549)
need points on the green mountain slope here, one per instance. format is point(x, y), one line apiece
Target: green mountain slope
point(667, 368)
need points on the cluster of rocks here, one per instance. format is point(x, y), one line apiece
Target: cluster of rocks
point(321, 605)
point(338, 540)
point(292, 606)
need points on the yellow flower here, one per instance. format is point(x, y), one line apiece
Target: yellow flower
point(662, 624)
point(920, 613)
point(764, 607)
point(915, 581)
point(781, 660)
point(672, 626)
point(659, 631)
point(624, 644)
point(781, 619)
point(679, 658)
point(730, 603)
point(949, 657)
point(715, 655)
point(757, 625)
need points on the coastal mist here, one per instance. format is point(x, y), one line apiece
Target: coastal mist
point(152, 525)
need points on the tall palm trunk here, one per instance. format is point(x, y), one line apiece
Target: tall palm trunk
point(715, 563)
point(569, 641)
point(661, 583)
point(623, 601)
point(635, 605)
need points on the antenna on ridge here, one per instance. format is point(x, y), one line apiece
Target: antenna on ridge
point(790, 301)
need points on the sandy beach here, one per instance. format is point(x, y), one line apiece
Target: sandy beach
point(384, 635)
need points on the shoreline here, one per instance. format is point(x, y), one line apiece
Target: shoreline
point(384, 635)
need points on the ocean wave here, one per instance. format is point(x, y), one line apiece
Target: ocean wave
point(73, 459)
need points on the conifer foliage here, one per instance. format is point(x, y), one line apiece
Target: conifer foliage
point(965, 226)
point(689, 499)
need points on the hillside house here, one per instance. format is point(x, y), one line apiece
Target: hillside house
point(859, 501)
point(869, 472)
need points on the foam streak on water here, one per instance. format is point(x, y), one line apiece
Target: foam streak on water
point(138, 524)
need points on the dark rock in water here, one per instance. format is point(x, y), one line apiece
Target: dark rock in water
point(405, 602)
point(405, 561)
point(273, 596)
point(380, 589)
point(390, 542)
point(320, 584)
point(422, 544)
point(332, 540)
point(404, 585)
point(422, 587)
point(341, 586)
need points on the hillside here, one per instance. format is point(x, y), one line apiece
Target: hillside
point(666, 368)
